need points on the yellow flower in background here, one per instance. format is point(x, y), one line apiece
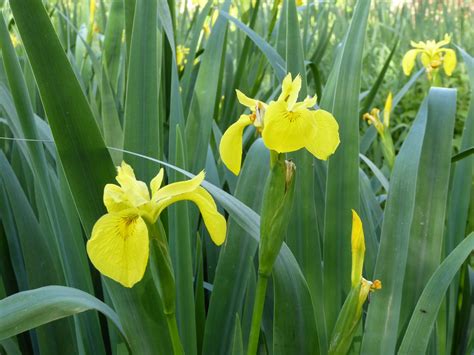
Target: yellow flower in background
point(119, 244)
point(432, 56)
point(373, 118)
point(181, 53)
point(299, 2)
point(358, 254)
point(285, 124)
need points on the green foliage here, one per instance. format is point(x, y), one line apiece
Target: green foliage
point(83, 87)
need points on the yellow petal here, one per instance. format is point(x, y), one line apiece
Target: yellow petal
point(358, 249)
point(214, 221)
point(156, 182)
point(136, 191)
point(309, 102)
point(246, 101)
point(230, 147)
point(449, 61)
point(284, 131)
point(178, 188)
point(408, 61)
point(387, 109)
point(115, 199)
point(324, 139)
point(445, 41)
point(426, 60)
point(119, 247)
point(290, 90)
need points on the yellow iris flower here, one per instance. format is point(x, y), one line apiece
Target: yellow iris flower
point(119, 245)
point(432, 56)
point(358, 254)
point(285, 124)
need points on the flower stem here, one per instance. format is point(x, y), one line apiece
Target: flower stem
point(175, 340)
point(257, 314)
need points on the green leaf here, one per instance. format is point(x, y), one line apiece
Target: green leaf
point(237, 344)
point(426, 234)
point(141, 122)
point(426, 310)
point(304, 238)
point(341, 98)
point(459, 200)
point(201, 111)
point(179, 234)
point(235, 261)
point(30, 309)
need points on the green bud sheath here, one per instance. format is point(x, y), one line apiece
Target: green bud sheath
point(275, 213)
point(346, 324)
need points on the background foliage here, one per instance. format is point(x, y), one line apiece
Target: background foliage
point(85, 85)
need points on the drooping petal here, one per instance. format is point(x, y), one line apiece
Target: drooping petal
point(115, 199)
point(214, 221)
point(426, 60)
point(119, 247)
point(180, 187)
point(323, 138)
point(358, 249)
point(285, 131)
point(449, 61)
point(230, 147)
point(408, 61)
point(246, 101)
point(156, 182)
point(136, 191)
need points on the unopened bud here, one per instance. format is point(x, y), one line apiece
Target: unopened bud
point(276, 212)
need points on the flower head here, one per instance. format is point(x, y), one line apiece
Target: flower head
point(119, 244)
point(432, 56)
point(285, 124)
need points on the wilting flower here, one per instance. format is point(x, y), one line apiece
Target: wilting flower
point(119, 245)
point(285, 124)
point(432, 56)
point(181, 53)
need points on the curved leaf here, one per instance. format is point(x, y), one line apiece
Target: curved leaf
point(26, 310)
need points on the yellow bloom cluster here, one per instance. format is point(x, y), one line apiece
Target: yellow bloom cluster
point(432, 56)
point(119, 245)
point(285, 124)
